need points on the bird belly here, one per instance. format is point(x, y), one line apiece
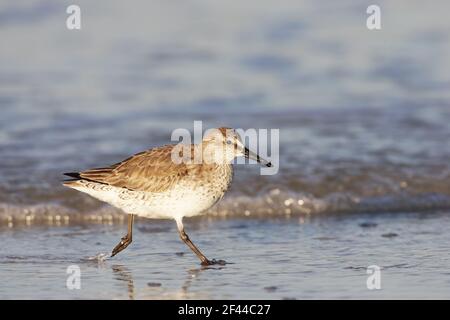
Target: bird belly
point(181, 201)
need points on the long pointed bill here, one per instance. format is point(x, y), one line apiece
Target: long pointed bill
point(251, 155)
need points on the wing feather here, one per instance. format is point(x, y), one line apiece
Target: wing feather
point(151, 171)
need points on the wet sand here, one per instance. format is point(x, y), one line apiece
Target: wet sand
point(364, 159)
point(292, 258)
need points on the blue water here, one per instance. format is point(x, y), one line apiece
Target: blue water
point(364, 130)
point(269, 259)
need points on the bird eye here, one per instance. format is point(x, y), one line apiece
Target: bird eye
point(229, 142)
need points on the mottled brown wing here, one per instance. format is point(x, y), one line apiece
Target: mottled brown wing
point(150, 171)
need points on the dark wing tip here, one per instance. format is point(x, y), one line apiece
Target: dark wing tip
point(75, 175)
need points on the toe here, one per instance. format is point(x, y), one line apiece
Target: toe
point(213, 262)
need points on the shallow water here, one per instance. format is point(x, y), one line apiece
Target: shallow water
point(363, 116)
point(364, 129)
point(269, 259)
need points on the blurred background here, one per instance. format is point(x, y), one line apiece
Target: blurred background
point(363, 116)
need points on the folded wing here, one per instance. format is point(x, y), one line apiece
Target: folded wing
point(151, 171)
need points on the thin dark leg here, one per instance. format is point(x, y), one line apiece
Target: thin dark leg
point(183, 235)
point(200, 255)
point(125, 241)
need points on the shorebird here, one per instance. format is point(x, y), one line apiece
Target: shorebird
point(154, 184)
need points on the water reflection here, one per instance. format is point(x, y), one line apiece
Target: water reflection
point(193, 275)
point(123, 274)
point(154, 290)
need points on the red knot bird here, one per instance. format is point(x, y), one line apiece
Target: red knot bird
point(151, 184)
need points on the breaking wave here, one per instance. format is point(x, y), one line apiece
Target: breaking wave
point(274, 203)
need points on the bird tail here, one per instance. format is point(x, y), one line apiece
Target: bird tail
point(72, 182)
point(75, 175)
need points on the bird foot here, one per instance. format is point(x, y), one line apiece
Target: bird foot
point(213, 262)
point(124, 242)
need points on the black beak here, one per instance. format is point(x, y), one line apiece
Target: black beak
point(251, 155)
